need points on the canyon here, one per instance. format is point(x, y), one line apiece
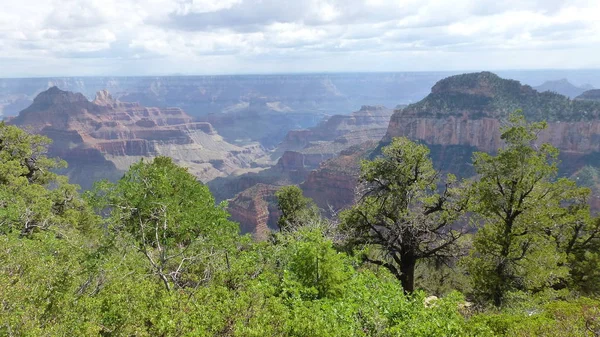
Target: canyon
point(336, 93)
point(102, 138)
point(243, 109)
point(258, 133)
point(301, 152)
point(461, 115)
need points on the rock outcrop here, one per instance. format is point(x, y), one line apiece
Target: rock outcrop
point(463, 114)
point(116, 134)
point(291, 169)
point(300, 153)
point(256, 210)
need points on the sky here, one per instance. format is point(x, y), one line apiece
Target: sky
point(203, 37)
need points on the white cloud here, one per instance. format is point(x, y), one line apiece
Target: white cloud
point(125, 37)
point(205, 6)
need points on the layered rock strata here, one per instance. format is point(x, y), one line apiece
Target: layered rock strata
point(114, 135)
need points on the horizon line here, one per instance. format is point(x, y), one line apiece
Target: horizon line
point(306, 73)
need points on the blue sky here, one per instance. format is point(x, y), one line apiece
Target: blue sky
point(161, 37)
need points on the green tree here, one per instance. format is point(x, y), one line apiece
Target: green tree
point(295, 208)
point(577, 236)
point(171, 217)
point(313, 269)
point(520, 203)
point(32, 196)
point(403, 213)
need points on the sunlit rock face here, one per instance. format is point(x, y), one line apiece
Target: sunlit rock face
point(465, 113)
point(255, 209)
point(103, 137)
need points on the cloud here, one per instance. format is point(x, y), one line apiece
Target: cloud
point(129, 37)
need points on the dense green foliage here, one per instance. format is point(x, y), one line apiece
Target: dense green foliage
point(27, 204)
point(160, 257)
point(532, 222)
point(169, 217)
point(294, 207)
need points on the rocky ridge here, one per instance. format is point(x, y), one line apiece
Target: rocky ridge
point(467, 110)
point(112, 135)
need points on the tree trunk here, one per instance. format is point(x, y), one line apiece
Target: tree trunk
point(498, 291)
point(407, 273)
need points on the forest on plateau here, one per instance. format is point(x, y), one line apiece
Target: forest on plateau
point(514, 251)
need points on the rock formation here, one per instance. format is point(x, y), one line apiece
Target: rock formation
point(462, 115)
point(256, 210)
point(107, 136)
point(291, 169)
point(333, 185)
point(260, 120)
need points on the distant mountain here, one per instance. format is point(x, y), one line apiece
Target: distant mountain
point(563, 87)
point(102, 138)
point(201, 95)
point(590, 95)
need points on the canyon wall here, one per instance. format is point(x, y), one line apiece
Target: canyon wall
point(106, 136)
point(464, 114)
point(301, 152)
point(484, 134)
